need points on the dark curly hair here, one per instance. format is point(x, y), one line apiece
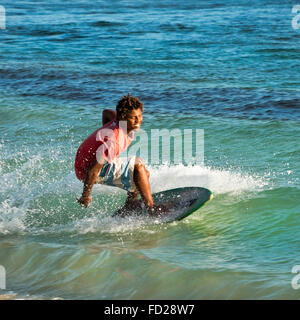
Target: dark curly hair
point(128, 103)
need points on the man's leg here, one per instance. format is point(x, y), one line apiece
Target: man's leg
point(141, 179)
point(132, 200)
point(130, 204)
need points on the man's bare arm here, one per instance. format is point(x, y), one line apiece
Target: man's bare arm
point(89, 182)
point(108, 115)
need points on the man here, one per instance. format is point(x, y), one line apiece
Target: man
point(97, 159)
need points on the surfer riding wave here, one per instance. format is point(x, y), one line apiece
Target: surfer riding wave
point(97, 159)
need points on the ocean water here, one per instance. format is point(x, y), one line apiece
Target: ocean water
point(230, 68)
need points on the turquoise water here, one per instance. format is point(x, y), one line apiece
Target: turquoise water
point(229, 68)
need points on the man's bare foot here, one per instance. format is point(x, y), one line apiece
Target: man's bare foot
point(128, 207)
point(158, 210)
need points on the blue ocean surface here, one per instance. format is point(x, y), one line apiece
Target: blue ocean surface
point(230, 68)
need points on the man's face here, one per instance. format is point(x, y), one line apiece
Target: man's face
point(134, 119)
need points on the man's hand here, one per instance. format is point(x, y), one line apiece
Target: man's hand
point(84, 201)
point(90, 180)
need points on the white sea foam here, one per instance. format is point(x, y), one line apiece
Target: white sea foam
point(219, 181)
point(11, 218)
point(14, 209)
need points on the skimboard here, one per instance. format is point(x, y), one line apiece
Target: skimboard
point(181, 202)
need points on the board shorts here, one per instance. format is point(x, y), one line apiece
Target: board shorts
point(119, 174)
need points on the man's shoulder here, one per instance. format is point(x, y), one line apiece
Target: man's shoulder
point(108, 130)
point(112, 125)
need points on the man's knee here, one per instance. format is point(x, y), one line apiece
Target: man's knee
point(139, 166)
